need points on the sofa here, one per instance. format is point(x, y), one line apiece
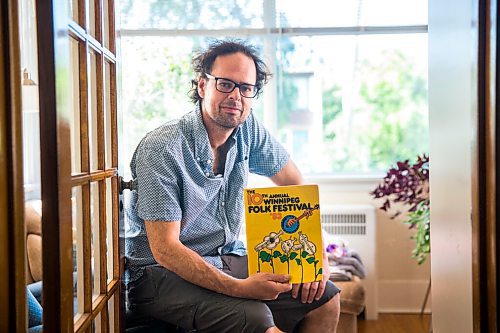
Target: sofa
point(352, 303)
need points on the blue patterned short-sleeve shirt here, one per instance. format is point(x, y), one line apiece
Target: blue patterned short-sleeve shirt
point(175, 182)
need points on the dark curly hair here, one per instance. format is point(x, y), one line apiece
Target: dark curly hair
point(203, 62)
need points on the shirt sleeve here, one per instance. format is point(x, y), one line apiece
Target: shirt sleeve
point(267, 156)
point(157, 184)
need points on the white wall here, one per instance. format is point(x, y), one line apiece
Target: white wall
point(402, 283)
point(452, 102)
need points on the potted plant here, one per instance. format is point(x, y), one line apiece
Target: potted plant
point(408, 184)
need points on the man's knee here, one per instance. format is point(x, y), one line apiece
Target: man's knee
point(330, 309)
point(324, 318)
point(334, 304)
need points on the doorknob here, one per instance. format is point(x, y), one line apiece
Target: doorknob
point(126, 185)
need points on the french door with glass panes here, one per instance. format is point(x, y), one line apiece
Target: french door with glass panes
point(79, 163)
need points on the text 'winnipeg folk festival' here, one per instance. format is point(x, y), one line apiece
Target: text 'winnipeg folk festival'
point(279, 202)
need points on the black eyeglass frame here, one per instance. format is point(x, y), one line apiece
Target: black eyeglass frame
point(236, 85)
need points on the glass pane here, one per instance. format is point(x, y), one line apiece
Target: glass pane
point(28, 38)
point(90, 15)
point(96, 324)
point(341, 13)
point(73, 10)
point(109, 229)
point(178, 14)
point(95, 248)
point(92, 78)
point(394, 12)
point(107, 115)
point(31, 147)
point(28, 44)
point(244, 14)
point(30, 101)
point(111, 313)
point(74, 90)
point(105, 18)
point(31, 163)
point(78, 253)
point(353, 104)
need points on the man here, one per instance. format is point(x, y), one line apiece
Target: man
point(185, 264)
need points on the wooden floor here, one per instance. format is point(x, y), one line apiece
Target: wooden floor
point(395, 323)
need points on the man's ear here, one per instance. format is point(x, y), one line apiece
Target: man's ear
point(201, 87)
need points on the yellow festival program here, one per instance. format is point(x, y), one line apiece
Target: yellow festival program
point(284, 231)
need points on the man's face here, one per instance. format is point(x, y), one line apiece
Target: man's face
point(227, 110)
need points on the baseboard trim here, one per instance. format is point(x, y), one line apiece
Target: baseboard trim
point(403, 311)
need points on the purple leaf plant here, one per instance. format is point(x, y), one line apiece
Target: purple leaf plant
point(405, 183)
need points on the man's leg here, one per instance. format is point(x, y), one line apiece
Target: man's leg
point(165, 296)
point(289, 313)
point(322, 319)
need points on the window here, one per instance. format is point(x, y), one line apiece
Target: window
point(349, 91)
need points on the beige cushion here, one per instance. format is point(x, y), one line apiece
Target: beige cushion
point(33, 222)
point(352, 297)
point(34, 252)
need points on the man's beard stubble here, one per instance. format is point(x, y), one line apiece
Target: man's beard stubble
point(228, 121)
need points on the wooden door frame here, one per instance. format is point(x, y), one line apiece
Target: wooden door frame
point(12, 235)
point(53, 55)
point(485, 233)
point(57, 180)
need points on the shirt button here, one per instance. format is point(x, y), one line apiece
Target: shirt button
point(198, 159)
point(207, 174)
point(209, 161)
point(222, 203)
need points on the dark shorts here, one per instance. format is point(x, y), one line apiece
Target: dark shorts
point(162, 294)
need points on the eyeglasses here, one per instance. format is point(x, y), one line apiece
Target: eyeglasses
point(227, 86)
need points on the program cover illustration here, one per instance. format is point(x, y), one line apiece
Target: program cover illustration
point(284, 231)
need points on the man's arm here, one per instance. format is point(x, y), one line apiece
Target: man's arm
point(169, 252)
point(288, 175)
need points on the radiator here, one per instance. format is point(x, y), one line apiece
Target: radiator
point(356, 225)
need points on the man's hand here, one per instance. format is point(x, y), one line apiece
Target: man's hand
point(264, 286)
point(313, 290)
